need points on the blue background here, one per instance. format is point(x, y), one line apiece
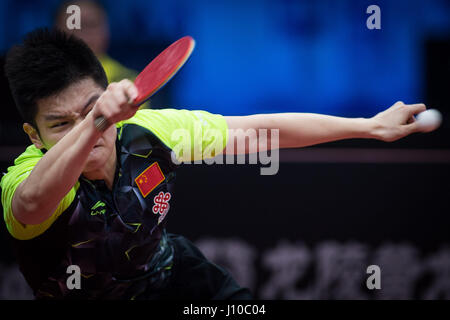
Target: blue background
point(269, 56)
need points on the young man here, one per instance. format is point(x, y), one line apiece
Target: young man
point(97, 197)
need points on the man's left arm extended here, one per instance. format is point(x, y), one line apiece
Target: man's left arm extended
point(305, 129)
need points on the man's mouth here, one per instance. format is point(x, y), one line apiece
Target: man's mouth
point(99, 143)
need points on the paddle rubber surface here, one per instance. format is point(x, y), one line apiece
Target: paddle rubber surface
point(161, 69)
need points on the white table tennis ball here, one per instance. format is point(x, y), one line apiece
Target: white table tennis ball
point(429, 120)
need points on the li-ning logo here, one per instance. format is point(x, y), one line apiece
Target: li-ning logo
point(98, 208)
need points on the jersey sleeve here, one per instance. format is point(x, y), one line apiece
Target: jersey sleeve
point(192, 135)
point(16, 174)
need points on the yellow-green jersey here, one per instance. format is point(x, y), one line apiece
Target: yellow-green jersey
point(117, 236)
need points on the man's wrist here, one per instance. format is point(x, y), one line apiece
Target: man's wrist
point(372, 128)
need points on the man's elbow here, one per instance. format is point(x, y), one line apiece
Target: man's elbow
point(27, 209)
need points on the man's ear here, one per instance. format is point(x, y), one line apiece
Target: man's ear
point(33, 135)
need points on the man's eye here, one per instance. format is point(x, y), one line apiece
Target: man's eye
point(59, 124)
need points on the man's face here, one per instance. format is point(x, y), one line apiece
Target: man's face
point(60, 113)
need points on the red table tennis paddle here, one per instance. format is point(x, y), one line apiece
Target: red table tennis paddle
point(158, 72)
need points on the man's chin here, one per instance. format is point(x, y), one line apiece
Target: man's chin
point(95, 162)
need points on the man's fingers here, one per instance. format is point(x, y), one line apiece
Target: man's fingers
point(411, 125)
point(108, 107)
point(130, 90)
point(119, 96)
point(411, 120)
point(116, 103)
point(411, 128)
point(416, 108)
point(125, 91)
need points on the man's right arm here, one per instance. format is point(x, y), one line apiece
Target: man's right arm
point(38, 196)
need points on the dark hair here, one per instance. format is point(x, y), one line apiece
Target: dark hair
point(46, 63)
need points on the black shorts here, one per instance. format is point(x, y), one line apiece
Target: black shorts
point(196, 278)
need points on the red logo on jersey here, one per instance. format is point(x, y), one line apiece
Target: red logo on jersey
point(161, 205)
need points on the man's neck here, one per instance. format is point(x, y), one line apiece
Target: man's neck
point(106, 173)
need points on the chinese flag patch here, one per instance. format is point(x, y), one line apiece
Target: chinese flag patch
point(149, 179)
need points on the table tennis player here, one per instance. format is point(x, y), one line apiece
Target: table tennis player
point(98, 196)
